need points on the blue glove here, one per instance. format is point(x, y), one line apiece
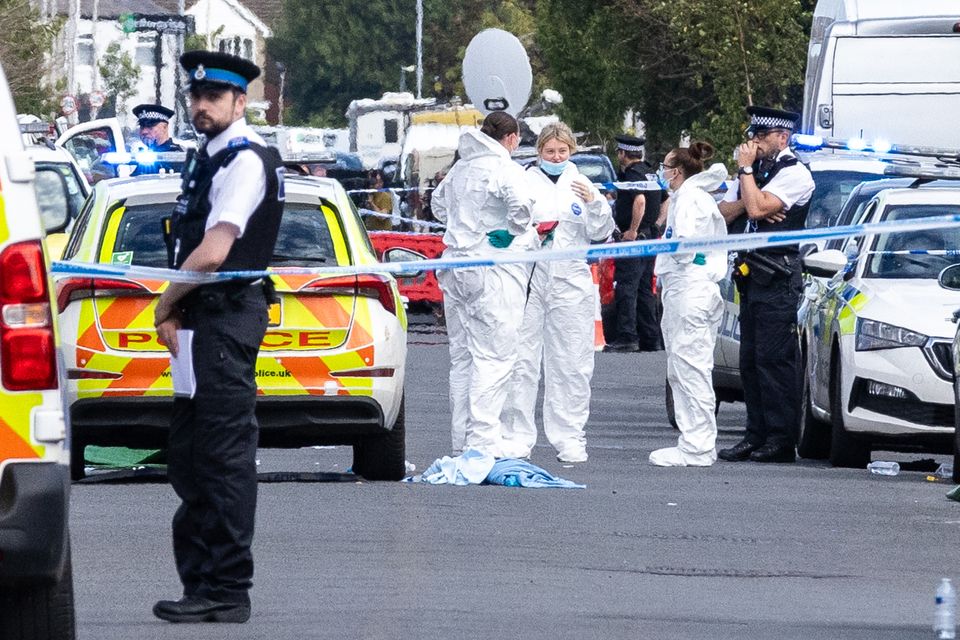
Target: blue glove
point(700, 259)
point(500, 238)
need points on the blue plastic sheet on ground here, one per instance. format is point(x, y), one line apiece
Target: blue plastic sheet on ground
point(474, 467)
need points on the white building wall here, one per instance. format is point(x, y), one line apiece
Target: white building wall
point(241, 35)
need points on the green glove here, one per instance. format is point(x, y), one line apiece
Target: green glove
point(500, 238)
point(547, 238)
point(700, 259)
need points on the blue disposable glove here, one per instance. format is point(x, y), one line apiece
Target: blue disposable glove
point(700, 259)
point(500, 238)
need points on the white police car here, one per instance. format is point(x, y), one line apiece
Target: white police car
point(877, 338)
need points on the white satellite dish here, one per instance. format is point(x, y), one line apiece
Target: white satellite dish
point(496, 72)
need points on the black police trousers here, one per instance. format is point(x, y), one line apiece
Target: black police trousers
point(636, 303)
point(211, 461)
point(770, 359)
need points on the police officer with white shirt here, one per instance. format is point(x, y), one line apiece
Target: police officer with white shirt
point(226, 219)
point(773, 195)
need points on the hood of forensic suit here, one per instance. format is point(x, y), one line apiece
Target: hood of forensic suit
point(708, 179)
point(919, 305)
point(475, 144)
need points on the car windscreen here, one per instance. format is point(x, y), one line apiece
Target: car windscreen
point(304, 239)
point(595, 169)
point(832, 190)
point(903, 255)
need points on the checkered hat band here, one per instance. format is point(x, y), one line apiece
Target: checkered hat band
point(629, 147)
point(771, 122)
point(152, 115)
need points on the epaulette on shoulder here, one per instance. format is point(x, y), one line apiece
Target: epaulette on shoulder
point(240, 142)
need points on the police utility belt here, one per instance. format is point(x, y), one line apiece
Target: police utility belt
point(223, 296)
point(763, 269)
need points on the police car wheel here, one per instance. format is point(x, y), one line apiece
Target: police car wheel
point(383, 456)
point(814, 441)
point(846, 449)
point(956, 434)
point(39, 612)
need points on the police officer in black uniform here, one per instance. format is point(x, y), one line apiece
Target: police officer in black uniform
point(227, 219)
point(773, 195)
point(153, 121)
point(636, 213)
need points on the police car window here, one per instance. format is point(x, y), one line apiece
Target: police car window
point(140, 233)
point(593, 168)
point(905, 255)
point(87, 147)
point(76, 236)
point(304, 238)
point(832, 190)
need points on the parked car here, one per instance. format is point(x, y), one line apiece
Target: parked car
point(331, 366)
point(949, 278)
point(877, 339)
point(36, 575)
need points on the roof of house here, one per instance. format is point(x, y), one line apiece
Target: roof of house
point(108, 9)
point(268, 11)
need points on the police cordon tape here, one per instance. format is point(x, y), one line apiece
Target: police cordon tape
point(643, 185)
point(412, 221)
point(636, 249)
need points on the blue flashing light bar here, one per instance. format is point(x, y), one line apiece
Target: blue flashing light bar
point(117, 157)
point(146, 158)
point(807, 142)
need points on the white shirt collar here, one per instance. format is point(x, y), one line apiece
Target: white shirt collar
point(239, 129)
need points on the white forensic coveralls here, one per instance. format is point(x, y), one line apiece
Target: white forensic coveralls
point(558, 323)
point(692, 310)
point(484, 191)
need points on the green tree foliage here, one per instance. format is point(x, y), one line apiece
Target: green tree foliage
point(337, 52)
point(24, 35)
point(120, 75)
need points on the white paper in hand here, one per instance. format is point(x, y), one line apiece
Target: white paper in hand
point(181, 366)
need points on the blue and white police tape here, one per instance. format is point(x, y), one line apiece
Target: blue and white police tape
point(642, 185)
point(412, 221)
point(637, 249)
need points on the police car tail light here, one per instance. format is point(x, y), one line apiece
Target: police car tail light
point(367, 285)
point(28, 360)
point(70, 289)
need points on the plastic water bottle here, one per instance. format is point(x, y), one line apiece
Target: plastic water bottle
point(944, 616)
point(884, 468)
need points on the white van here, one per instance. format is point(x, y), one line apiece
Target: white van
point(36, 584)
point(884, 69)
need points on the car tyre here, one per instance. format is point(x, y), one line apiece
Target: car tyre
point(956, 431)
point(814, 440)
point(383, 456)
point(846, 449)
point(78, 462)
point(40, 611)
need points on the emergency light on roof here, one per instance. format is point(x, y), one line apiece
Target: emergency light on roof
point(143, 157)
point(806, 142)
point(35, 127)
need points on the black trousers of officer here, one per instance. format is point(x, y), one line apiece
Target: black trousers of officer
point(770, 359)
point(636, 303)
point(213, 445)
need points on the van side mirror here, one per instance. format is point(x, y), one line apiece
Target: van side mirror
point(949, 278)
point(824, 264)
point(53, 200)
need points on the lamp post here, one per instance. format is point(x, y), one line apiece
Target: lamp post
point(419, 48)
point(403, 76)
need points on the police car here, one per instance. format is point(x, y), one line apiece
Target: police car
point(877, 337)
point(36, 583)
point(331, 366)
point(950, 279)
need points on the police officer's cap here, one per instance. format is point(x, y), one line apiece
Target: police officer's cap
point(767, 118)
point(629, 143)
point(148, 115)
point(216, 68)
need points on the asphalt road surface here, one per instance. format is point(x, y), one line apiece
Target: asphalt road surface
point(733, 551)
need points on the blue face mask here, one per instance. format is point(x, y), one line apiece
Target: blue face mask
point(553, 168)
point(661, 180)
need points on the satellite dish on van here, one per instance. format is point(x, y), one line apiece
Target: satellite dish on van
point(496, 72)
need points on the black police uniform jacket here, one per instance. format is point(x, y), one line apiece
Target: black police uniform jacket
point(623, 209)
point(251, 251)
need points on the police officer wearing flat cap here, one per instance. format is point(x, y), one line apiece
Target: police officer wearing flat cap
point(773, 194)
point(635, 213)
point(227, 219)
point(153, 122)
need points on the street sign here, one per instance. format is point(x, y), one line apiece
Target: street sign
point(97, 98)
point(496, 72)
point(68, 105)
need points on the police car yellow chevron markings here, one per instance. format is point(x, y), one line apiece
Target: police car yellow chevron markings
point(853, 301)
point(15, 426)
